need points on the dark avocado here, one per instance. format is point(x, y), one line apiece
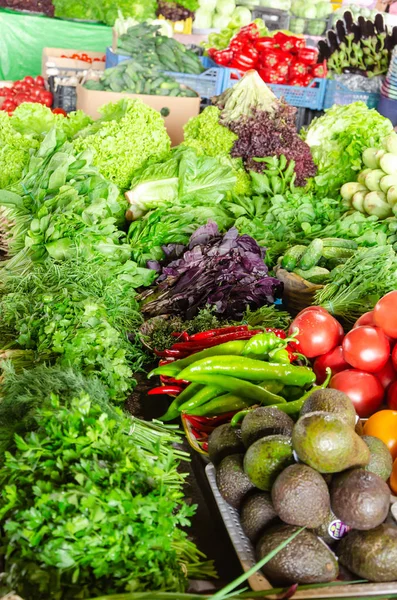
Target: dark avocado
point(233, 483)
point(264, 421)
point(223, 441)
point(380, 462)
point(331, 401)
point(257, 512)
point(300, 496)
point(371, 554)
point(306, 559)
point(360, 499)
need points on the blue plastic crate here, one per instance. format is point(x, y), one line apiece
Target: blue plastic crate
point(301, 97)
point(337, 93)
point(207, 84)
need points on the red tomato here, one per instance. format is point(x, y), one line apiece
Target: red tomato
point(39, 81)
point(9, 104)
point(387, 375)
point(318, 332)
point(46, 98)
point(385, 314)
point(394, 357)
point(366, 348)
point(334, 360)
point(366, 319)
point(59, 111)
point(21, 98)
point(29, 80)
point(392, 396)
point(17, 85)
point(319, 308)
point(364, 390)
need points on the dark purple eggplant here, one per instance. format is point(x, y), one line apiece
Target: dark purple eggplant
point(379, 23)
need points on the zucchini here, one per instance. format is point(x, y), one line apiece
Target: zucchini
point(312, 255)
point(339, 243)
point(337, 253)
point(292, 256)
point(314, 275)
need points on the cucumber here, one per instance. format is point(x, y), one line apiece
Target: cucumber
point(337, 253)
point(292, 256)
point(314, 275)
point(335, 262)
point(339, 243)
point(312, 255)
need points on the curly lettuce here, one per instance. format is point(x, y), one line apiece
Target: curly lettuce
point(128, 133)
point(14, 151)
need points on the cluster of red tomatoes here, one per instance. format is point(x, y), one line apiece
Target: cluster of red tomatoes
point(84, 58)
point(28, 90)
point(363, 362)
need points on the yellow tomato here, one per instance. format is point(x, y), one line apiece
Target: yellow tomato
point(393, 478)
point(383, 425)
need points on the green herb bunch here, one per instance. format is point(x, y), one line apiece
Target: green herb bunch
point(86, 510)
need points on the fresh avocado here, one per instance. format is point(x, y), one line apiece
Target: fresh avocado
point(306, 559)
point(266, 458)
point(232, 482)
point(257, 512)
point(331, 530)
point(371, 554)
point(223, 441)
point(331, 401)
point(327, 444)
point(264, 421)
point(360, 499)
point(300, 496)
point(380, 462)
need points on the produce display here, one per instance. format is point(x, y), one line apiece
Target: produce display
point(310, 17)
point(234, 295)
point(218, 14)
point(361, 47)
point(281, 59)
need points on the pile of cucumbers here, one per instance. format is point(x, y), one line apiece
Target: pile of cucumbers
point(132, 78)
point(315, 262)
point(146, 45)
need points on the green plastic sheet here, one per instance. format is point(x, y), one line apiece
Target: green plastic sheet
point(23, 37)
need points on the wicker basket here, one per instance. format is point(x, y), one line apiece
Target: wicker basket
point(298, 293)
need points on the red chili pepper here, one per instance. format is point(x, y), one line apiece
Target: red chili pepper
point(265, 43)
point(165, 362)
point(223, 57)
point(169, 353)
point(308, 55)
point(215, 341)
point(297, 69)
point(172, 381)
point(181, 335)
point(204, 446)
point(204, 335)
point(319, 70)
point(291, 355)
point(165, 390)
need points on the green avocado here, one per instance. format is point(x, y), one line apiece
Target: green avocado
point(264, 421)
point(257, 512)
point(360, 499)
point(327, 444)
point(380, 462)
point(266, 458)
point(371, 554)
point(331, 401)
point(233, 484)
point(306, 559)
point(223, 441)
point(300, 496)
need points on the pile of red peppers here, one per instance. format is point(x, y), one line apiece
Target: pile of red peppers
point(281, 59)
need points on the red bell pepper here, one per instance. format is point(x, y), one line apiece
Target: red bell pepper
point(264, 44)
point(223, 57)
point(308, 55)
point(282, 70)
point(297, 69)
point(250, 32)
point(288, 43)
point(273, 58)
point(243, 62)
point(307, 79)
point(211, 52)
point(272, 76)
point(296, 81)
point(236, 44)
point(319, 70)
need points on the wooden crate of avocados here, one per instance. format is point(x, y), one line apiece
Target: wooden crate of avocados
point(298, 293)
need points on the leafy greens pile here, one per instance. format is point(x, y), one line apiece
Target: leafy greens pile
point(225, 271)
point(337, 141)
point(105, 10)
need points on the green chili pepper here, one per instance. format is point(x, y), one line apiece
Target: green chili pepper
point(222, 404)
point(173, 409)
point(292, 408)
point(240, 387)
point(261, 344)
point(248, 368)
point(205, 394)
point(238, 417)
point(234, 348)
point(281, 356)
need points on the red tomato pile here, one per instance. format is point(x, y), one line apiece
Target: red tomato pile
point(363, 362)
point(282, 59)
point(84, 58)
point(29, 90)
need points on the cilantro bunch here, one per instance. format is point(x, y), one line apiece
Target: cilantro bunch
point(87, 510)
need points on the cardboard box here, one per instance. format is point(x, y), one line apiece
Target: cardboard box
point(51, 58)
point(179, 110)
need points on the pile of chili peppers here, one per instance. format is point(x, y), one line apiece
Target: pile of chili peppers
point(282, 59)
point(84, 58)
point(214, 374)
